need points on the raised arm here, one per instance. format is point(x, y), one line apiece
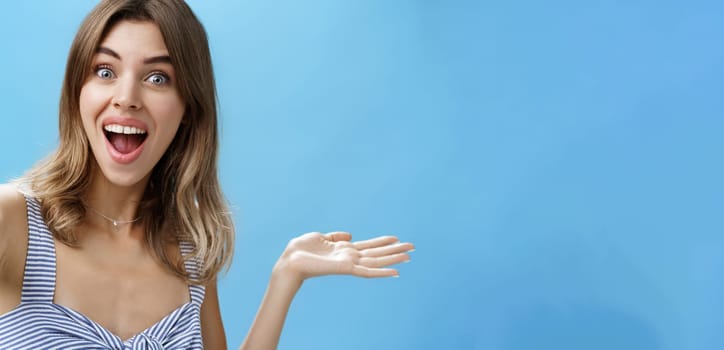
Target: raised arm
point(315, 254)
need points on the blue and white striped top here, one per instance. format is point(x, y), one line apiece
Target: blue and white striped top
point(38, 323)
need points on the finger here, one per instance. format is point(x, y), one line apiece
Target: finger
point(376, 242)
point(388, 250)
point(385, 260)
point(364, 271)
point(338, 236)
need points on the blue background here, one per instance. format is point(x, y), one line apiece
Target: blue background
point(557, 164)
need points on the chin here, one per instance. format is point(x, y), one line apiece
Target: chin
point(127, 178)
point(126, 181)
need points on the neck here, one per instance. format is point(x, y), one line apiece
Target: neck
point(107, 202)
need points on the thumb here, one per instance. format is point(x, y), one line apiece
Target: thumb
point(338, 236)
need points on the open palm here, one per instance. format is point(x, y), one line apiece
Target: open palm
point(316, 254)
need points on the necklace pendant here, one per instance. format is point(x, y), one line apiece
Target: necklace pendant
point(115, 223)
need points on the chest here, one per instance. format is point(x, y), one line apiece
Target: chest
point(124, 290)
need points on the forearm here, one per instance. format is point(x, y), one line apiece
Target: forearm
point(314, 254)
point(267, 326)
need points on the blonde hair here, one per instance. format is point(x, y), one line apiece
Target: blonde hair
point(183, 201)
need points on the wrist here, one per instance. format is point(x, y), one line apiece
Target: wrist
point(284, 274)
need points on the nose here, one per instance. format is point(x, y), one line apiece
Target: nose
point(127, 95)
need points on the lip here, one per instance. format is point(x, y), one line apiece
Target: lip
point(125, 121)
point(119, 157)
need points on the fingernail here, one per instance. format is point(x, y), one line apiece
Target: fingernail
point(396, 276)
point(411, 250)
point(406, 261)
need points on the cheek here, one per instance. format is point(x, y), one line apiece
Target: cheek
point(169, 112)
point(91, 102)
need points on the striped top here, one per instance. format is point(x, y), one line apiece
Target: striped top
point(38, 323)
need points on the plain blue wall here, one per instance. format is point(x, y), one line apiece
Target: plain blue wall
point(558, 164)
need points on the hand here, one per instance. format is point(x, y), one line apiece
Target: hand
point(315, 254)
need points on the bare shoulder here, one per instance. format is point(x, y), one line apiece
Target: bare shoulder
point(13, 225)
point(12, 212)
point(13, 245)
point(13, 230)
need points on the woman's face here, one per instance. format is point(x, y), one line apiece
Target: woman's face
point(129, 104)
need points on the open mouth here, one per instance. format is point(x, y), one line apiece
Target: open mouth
point(124, 139)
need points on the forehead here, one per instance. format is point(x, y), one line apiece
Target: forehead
point(135, 38)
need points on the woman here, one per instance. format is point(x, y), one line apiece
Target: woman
point(116, 240)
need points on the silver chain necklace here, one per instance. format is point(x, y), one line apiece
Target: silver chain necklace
point(115, 222)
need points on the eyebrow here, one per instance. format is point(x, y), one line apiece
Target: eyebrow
point(150, 60)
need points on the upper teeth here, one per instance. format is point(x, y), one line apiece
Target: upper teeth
point(120, 129)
